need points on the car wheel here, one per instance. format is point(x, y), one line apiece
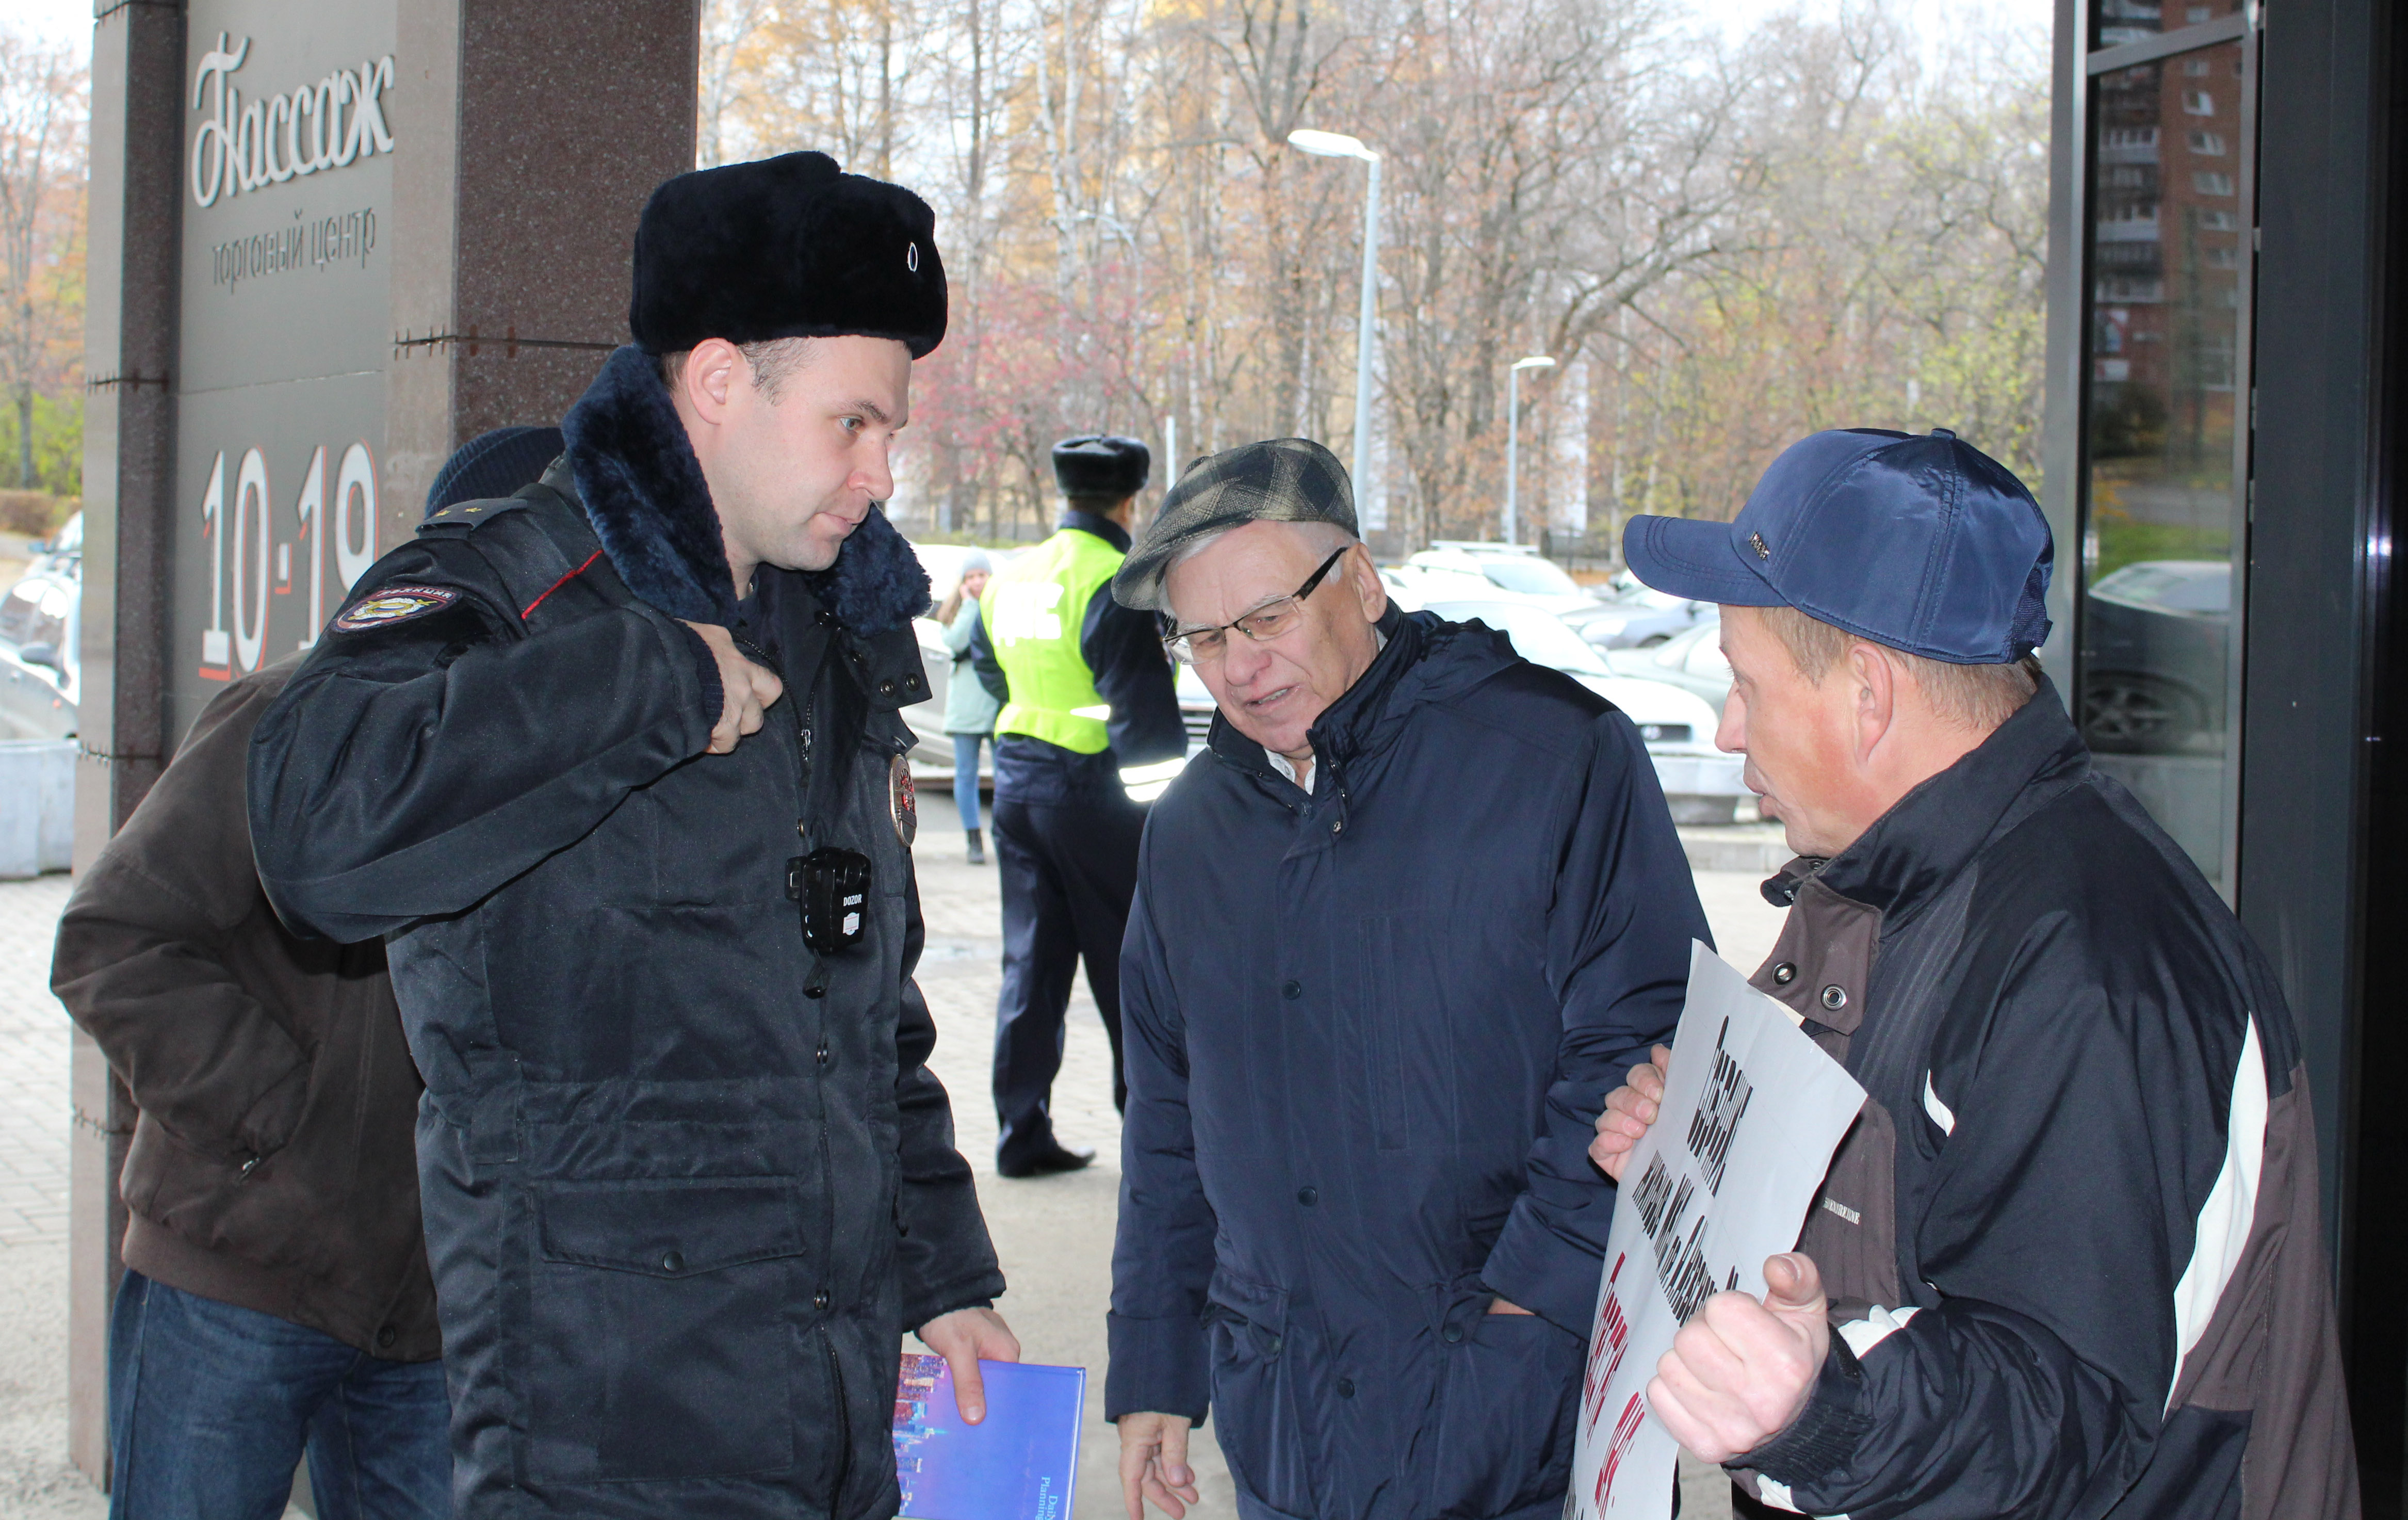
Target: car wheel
point(2124, 713)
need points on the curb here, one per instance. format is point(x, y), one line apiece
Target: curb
point(1759, 847)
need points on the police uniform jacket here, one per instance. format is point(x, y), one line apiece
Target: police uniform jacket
point(685, 1181)
point(1121, 650)
point(1368, 1029)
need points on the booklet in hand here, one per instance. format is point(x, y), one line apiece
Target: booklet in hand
point(1017, 1464)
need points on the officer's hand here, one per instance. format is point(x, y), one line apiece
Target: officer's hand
point(1154, 1463)
point(962, 1337)
point(1629, 1110)
point(746, 690)
point(1741, 1371)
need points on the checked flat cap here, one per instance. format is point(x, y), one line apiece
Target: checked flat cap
point(1276, 480)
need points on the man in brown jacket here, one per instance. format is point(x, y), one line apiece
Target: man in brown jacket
point(277, 1296)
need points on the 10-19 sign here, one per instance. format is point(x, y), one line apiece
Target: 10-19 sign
point(250, 565)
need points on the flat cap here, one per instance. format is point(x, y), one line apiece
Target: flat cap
point(786, 247)
point(1276, 480)
point(1101, 465)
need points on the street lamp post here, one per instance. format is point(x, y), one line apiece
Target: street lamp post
point(1513, 440)
point(1338, 145)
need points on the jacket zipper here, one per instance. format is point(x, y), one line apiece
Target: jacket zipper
point(843, 1422)
point(817, 979)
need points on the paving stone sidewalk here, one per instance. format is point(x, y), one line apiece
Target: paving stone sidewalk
point(37, 1482)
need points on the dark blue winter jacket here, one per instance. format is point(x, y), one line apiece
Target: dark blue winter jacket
point(1369, 1033)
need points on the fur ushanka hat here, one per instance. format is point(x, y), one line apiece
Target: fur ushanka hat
point(786, 247)
point(1101, 465)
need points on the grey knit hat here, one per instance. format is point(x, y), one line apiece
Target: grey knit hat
point(1277, 480)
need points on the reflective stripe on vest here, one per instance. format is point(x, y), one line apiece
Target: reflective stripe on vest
point(1034, 609)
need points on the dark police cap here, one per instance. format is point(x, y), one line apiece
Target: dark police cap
point(786, 247)
point(1280, 481)
point(1101, 465)
point(1923, 544)
point(494, 464)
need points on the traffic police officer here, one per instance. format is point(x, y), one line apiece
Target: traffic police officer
point(1090, 726)
point(615, 765)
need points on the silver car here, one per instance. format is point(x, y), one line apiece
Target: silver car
point(1691, 661)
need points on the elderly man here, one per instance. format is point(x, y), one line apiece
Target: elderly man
point(1394, 938)
point(2068, 1262)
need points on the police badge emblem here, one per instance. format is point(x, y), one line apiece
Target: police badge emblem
point(392, 604)
point(903, 799)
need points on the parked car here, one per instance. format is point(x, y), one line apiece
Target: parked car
point(1691, 660)
point(64, 552)
point(1518, 568)
point(2155, 646)
point(1702, 785)
point(1415, 585)
point(40, 673)
point(1642, 617)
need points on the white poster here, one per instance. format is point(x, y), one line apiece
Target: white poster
point(1751, 1113)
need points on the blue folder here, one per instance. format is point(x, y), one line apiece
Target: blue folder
point(1019, 1463)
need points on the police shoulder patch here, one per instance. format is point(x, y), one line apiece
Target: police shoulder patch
point(395, 603)
point(903, 799)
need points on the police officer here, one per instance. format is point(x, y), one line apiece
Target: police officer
point(1090, 724)
point(615, 765)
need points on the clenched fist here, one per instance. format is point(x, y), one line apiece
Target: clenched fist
point(747, 691)
point(1629, 1109)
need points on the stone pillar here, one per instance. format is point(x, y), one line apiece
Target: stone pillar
point(130, 327)
point(512, 286)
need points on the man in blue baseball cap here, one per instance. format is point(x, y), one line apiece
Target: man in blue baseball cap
point(2068, 1261)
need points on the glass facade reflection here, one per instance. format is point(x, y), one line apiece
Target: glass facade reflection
point(2162, 543)
point(2114, 22)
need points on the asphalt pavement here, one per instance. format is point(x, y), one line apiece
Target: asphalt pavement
point(1055, 1234)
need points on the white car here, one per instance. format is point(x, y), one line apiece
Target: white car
point(1701, 783)
point(1517, 568)
point(40, 674)
point(62, 553)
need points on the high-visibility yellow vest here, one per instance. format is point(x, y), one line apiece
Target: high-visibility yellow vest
point(1033, 609)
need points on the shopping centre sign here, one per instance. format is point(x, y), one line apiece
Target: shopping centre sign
point(330, 124)
point(295, 118)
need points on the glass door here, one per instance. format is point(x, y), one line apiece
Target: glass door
point(2166, 415)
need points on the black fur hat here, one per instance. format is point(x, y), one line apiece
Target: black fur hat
point(1101, 465)
point(786, 247)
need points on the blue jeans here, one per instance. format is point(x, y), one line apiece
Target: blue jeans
point(966, 782)
point(210, 1408)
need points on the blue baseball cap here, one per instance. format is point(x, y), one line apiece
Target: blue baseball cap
point(1923, 544)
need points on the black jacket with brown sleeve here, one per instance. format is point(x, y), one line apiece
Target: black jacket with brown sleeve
point(273, 1166)
point(2071, 1243)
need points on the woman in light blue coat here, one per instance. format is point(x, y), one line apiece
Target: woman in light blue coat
point(969, 707)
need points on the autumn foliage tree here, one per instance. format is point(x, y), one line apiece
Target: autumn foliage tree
point(44, 112)
point(1723, 244)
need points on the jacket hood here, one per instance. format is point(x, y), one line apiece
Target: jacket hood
point(644, 492)
point(1914, 849)
point(1425, 659)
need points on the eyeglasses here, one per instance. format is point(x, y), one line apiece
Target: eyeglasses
point(1201, 646)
